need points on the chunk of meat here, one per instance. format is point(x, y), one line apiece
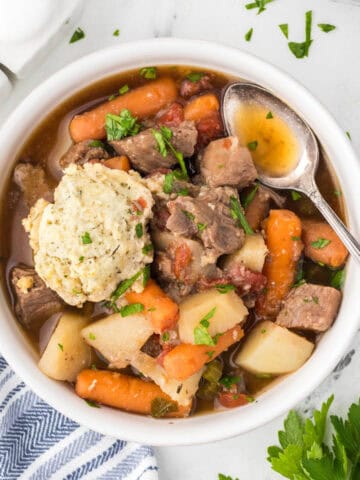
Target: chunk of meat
point(83, 152)
point(189, 88)
point(34, 301)
point(322, 244)
point(207, 217)
point(32, 182)
point(152, 346)
point(143, 152)
point(310, 307)
point(209, 128)
point(226, 162)
point(171, 117)
point(258, 209)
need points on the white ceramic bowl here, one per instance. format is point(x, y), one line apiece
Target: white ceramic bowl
point(283, 396)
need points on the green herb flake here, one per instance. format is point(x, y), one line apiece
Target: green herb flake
point(201, 334)
point(86, 239)
point(120, 126)
point(348, 135)
point(269, 116)
point(112, 97)
point(238, 215)
point(149, 73)
point(93, 366)
point(248, 35)
point(92, 336)
point(263, 330)
point(147, 249)
point(161, 407)
point(259, 4)
point(81, 259)
point(79, 34)
point(163, 137)
point(168, 183)
point(320, 243)
point(326, 27)
point(225, 288)
point(315, 299)
point(139, 230)
point(295, 239)
point(250, 196)
point(116, 33)
point(210, 354)
point(284, 27)
point(201, 226)
point(124, 89)
point(338, 279)
point(253, 145)
point(337, 193)
point(146, 275)
point(61, 346)
point(228, 381)
point(195, 76)
point(295, 196)
point(131, 309)
point(96, 144)
point(165, 337)
point(91, 403)
point(184, 192)
point(301, 49)
point(124, 286)
point(189, 215)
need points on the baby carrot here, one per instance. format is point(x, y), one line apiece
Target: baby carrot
point(201, 107)
point(118, 163)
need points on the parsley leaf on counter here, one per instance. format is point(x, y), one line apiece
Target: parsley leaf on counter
point(116, 33)
point(260, 4)
point(284, 27)
point(301, 49)
point(326, 27)
point(77, 35)
point(120, 126)
point(221, 476)
point(248, 35)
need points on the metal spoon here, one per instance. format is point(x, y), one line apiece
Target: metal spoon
point(301, 178)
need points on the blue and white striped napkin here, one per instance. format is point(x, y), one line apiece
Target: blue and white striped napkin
point(39, 443)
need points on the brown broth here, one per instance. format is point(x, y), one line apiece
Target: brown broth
point(50, 139)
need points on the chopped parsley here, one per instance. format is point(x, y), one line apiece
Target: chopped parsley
point(81, 259)
point(120, 126)
point(146, 275)
point(92, 336)
point(91, 403)
point(165, 337)
point(295, 238)
point(326, 27)
point(111, 97)
point(295, 195)
point(320, 243)
point(260, 4)
point(338, 278)
point(201, 226)
point(149, 73)
point(86, 239)
point(79, 34)
point(96, 144)
point(248, 35)
point(161, 407)
point(301, 49)
point(229, 380)
point(253, 145)
point(168, 184)
point(189, 215)
point(61, 346)
point(201, 333)
point(238, 215)
point(337, 193)
point(163, 137)
point(348, 135)
point(250, 196)
point(124, 89)
point(183, 192)
point(147, 248)
point(284, 27)
point(225, 288)
point(116, 33)
point(221, 476)
point(127, 310)
point(124, 286)
point(210, 354)
point(269, 115)
point(139, 230)
point(195, 76)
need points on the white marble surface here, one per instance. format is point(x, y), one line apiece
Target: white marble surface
point(331, 73)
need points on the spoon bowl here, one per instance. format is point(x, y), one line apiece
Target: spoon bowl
point(301, 177)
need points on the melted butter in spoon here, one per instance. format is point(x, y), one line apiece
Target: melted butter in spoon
point(273, 145)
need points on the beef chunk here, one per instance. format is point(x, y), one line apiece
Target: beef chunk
point(152, 346)
point(32, 182)
point(82, 152)
point(142, 149)
point(34, 301)
point(208, 217)
point(190, 88)
point(226, 162)
point(310, 307)
point(209, 128)
point(258, 208)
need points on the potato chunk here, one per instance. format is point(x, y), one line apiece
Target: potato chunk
point(66, 353)
point(229, 311)
point(118, 338)
point(274, 350)
point(252, 254)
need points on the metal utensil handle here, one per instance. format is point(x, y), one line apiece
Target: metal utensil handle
point(330, 216)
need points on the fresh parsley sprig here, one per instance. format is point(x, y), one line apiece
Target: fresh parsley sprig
point(122, 125)
point(163, 138)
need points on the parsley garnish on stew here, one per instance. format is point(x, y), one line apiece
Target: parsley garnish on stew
point(195, 76)
point(127, 310)
point(124, 286)
point(320, 243)
point(124, 89)
point(301, 49)
point(248, 35)
point(91, 403)
point(252, 145)
point(237, 214)
point(148, 72)
point(295, 195)
point(147, 248)
point(161, 407)
point(250, 196)
point(61, 346)
point(225, 288)
point(77, 35)
point(163, 138)
point(120, 126)
point(326, 27)
point(269, 115)
point(201, 333)
point(338, 279)
point(86, 239)
point(139, 230)
point(96, 144)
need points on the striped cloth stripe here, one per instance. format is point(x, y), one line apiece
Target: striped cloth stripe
point(38, 443)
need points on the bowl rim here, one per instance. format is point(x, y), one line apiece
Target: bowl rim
point(288, 392)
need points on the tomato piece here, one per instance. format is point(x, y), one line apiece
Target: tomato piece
point(232, 400)
point(173, 116)
point(209, 128)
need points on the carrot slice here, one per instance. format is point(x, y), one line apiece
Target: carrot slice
point(186, 359)
point(201, 107)
point(142, 102)
point(283, 239)
point(322, 244)
point(118, 163)
point(122, 391)
point(162, 311)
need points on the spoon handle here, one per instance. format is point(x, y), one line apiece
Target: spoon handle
point(347, 238)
